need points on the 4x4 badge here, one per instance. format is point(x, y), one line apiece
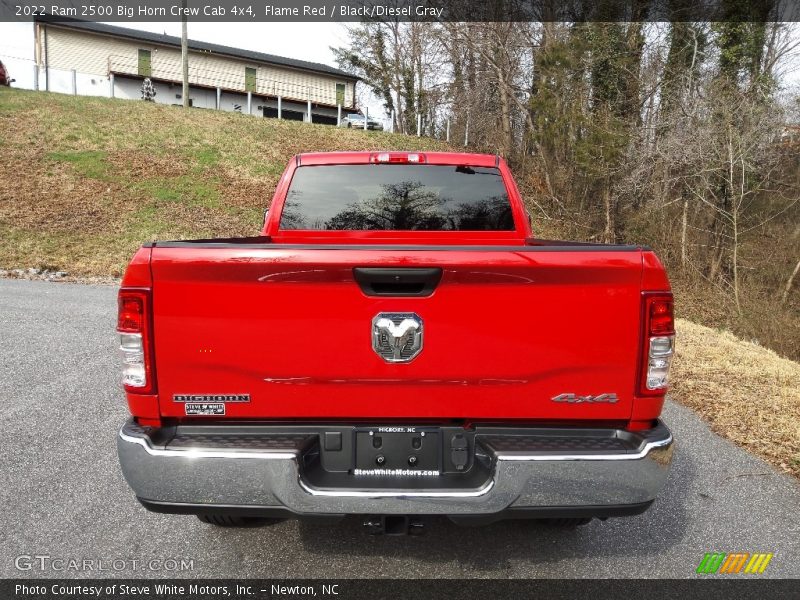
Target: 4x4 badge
point(576, 399)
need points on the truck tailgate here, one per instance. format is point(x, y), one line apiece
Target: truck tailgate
point(506, 330)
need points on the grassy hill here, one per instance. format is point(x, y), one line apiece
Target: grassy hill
point(747, 393)
point(83, 181)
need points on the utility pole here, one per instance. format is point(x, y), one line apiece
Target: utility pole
point(184, 57)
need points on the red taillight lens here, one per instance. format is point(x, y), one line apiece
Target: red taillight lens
point(658, 343)
point(662, 321)
point(130, 318)
point(133, 326)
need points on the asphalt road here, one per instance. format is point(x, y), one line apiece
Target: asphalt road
point(63, 495)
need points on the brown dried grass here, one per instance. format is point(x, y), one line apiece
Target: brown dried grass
point(748, 393)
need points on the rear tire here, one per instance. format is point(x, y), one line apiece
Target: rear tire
point(567, 523)
point(233, 521)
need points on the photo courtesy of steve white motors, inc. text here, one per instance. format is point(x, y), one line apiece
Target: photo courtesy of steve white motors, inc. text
point(150, 590)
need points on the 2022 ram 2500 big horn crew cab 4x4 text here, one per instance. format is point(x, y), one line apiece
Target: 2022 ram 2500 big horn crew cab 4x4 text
point(395, 343)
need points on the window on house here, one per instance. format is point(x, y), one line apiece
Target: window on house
point(340, 94)
point(249, 79)
point(144, 63)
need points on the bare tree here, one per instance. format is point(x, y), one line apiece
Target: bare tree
point(669, 133)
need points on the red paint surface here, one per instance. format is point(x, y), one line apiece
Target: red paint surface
point(505, 330)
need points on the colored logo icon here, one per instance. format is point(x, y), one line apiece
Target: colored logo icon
point(734, 563)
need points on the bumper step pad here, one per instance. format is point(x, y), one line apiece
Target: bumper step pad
point(537, 444)
point(239, 441)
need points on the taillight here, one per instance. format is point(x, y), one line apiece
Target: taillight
point(662, 321)
point(133, 326)
point(130, 317)
point(658, 342)
point(398, 157)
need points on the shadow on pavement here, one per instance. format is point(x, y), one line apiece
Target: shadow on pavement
point(494, 547)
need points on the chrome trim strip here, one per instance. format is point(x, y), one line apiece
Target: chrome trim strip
point(617, 456)
point(379, 494)
point(202, 452)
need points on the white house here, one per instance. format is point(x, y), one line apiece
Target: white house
point(95, 59)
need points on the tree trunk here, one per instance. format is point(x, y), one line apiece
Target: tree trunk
point(736, 262)
point(789, 283)
point(400, 109)
point(505, 114)
point(735, 204)
point(610, 232)
point(684, 224)
point(630, 101)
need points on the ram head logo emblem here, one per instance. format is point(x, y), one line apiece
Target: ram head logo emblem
point(397, 337)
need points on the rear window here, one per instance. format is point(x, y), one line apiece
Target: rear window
point(397, 197)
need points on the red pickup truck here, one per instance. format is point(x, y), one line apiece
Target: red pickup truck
point(394, 344)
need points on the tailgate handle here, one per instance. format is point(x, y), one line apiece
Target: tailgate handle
point(379, 281)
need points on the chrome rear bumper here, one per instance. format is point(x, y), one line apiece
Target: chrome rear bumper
point(531, 471)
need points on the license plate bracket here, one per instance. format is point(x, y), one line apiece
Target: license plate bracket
point(397, 449)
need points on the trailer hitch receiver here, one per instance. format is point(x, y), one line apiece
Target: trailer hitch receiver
point(394, 525)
